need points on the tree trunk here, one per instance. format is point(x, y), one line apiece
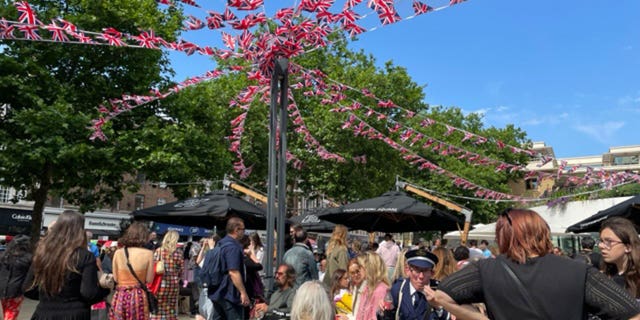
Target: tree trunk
point(40, 198)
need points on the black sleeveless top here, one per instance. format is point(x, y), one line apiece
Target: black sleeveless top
point(563, 288)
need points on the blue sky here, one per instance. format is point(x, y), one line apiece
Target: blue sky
point(567, 72)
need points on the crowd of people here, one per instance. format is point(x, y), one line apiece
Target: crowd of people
point(521, 277)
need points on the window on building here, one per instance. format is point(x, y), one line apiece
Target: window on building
point(161, 201)
point(531, 184)
point(139, 201)
point(625, 160)
point(141, 178)
point(5, 194)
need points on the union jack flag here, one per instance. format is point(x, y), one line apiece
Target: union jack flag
point(228, 15)
point(250, 4)
point(6, 30)
point(245, 39)
point(420, 8)
point(347, 16)
point(379, 5)
point(214, 20)
point(57, 33)
point(190, 2)
point(112, 36)
point(207, 51)
point(82, 38)
point(316, 5)
point(30, 32)
point(27, 15)
point(284, 14)
point(351, 3)
point(388, 15)
point(325, 16)
point(193, 23)
point(229, 40)
point(68, 26)
point(147, 39)
point(453, 2)
point(187, 47)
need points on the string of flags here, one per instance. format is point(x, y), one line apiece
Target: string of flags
point(299, 29)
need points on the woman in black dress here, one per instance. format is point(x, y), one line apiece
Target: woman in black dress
point(526, 281)
point(64, 274)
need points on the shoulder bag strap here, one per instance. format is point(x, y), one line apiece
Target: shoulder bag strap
point(525, 293)
point(126, 254)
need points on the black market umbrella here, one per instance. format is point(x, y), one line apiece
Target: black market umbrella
point(629, 209)
point(393, 211)
point(209, 210)
point(310, 221)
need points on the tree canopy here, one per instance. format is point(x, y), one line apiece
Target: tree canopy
point(50, 92)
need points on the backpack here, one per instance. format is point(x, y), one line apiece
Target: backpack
point(213, 270)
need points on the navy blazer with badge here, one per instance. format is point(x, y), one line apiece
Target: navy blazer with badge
point(401, 291)
point(421, 311)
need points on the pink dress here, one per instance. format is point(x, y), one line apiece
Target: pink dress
point(368, 305)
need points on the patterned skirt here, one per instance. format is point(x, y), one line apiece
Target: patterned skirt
point(168, 298)
point(129, 303)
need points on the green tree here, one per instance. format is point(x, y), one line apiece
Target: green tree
point(51, 91)
point(351, 180)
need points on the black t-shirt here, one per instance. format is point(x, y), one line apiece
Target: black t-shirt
point(601, 296)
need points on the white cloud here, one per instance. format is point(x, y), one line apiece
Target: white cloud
point(602, 132)
point(481, 111)
point(628, 99)
point(545, 119)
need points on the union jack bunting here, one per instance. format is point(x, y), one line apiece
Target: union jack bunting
point(193, 23)
point(27, 15)
point(57, 33)
point(420, 8)
point(30, 32)
point(6, 30)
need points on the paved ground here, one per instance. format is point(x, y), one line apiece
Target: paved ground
point(29, 306)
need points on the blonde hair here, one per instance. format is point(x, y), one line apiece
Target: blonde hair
point(446, 263)
point(398, 272)
point(338, 238)
point(170, 241)
point(312, 302)
point(375, 269)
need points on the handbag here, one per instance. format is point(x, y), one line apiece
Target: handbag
point(154, 286)
point(159, 266)
point(152, 301)
point(106, 280)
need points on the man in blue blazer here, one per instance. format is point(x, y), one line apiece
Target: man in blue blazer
point(409, 300)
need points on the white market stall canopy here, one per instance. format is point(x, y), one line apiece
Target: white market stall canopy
point(559, 217)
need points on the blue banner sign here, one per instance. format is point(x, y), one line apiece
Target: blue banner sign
point(162, 228)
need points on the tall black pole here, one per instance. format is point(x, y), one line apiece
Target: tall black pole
point(283, 65)
point(277, 167)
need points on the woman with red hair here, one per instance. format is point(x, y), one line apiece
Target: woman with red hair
point(528, 282)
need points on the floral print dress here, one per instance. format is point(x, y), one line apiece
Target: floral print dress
point(170, 286)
